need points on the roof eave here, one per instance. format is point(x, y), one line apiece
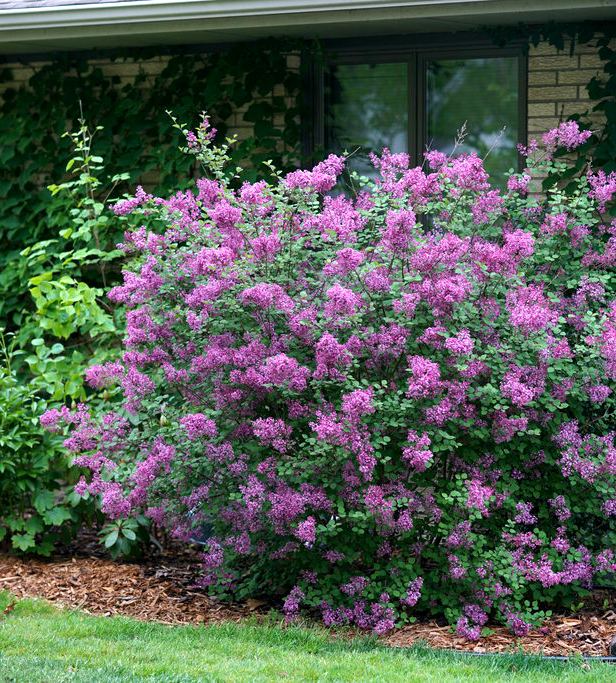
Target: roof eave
point(173, 21)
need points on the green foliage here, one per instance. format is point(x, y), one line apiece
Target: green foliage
point(64, 276)
point(34, 470)
point(126, 537)
point(134, 135)
point(69, 321)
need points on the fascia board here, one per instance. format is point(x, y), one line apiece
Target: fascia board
point(293, 11)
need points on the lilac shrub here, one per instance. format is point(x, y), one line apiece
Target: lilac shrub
point(389, 402)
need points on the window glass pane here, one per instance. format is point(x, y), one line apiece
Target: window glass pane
point(484, 94)
point(367, 107)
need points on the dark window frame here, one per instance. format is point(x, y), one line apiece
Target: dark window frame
point(416, 50)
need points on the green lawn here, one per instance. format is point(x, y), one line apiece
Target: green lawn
point(39, 643)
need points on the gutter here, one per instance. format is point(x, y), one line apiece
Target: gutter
point(291, 12)
point(37, 30)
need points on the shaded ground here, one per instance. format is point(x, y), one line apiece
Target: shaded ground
point(163, 593)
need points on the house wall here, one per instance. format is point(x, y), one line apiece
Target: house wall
point(556, 84)
point(127, 70)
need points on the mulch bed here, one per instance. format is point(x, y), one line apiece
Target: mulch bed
point(163, 592)
point(103, 587)
point(587, 634)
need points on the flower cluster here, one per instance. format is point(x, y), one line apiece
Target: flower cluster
point(393, 402)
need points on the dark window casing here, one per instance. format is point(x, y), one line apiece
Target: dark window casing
point(415, 51)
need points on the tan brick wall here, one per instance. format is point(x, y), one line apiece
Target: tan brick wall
point(20, 74)
point(557, 85)
point(127, 70)
point(557, 89)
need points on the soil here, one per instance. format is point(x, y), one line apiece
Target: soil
point(162, 589)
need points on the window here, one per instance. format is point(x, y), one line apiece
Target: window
point(411, 97)
point(481, 93)
point(367, 108)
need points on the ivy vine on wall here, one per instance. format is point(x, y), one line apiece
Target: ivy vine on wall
point(253, 78)
point(600, 149)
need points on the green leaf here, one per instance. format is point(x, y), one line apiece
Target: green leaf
point(57, 515)
point(23, 542)
point(34, 525)
point(111, 539)
point(43, 501)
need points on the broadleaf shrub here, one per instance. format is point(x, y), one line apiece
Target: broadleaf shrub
point(42, 366)
point(71, 322)
point(38, 506)
point(390, 403)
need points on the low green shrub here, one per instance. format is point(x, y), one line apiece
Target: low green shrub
point(65, 325)
point(37, 503)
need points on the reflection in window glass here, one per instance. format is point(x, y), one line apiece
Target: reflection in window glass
point(367, 108)
point(484, 94)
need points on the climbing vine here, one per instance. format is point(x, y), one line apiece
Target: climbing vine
point(136, 134)
point(600, 149)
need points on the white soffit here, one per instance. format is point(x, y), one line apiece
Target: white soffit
point(51, 26)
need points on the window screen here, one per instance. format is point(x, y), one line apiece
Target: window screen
point(422, 101)
point(483, 93)
point(368, 109)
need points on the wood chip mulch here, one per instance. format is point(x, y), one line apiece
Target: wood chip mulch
point(585, 634)
point(103, 587)
point(163, 593)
